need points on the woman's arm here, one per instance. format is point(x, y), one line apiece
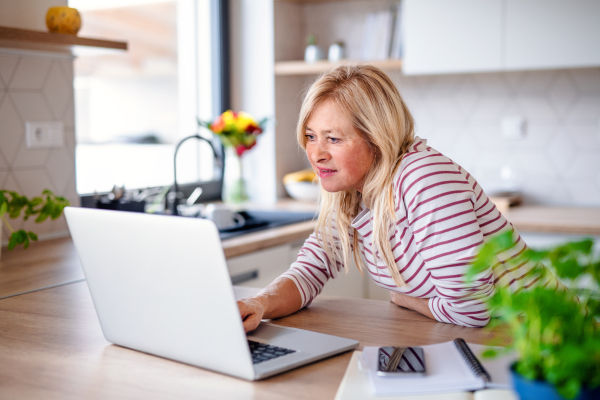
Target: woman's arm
point(449, 218)
point(294, 289)
point(279, 299)
point(412, 303)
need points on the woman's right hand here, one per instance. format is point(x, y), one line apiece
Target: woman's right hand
point(279, 299)
point(251, 311)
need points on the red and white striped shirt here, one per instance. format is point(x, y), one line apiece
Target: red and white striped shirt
point(442, 218)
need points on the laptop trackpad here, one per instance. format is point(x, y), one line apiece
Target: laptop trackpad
point(275, 335)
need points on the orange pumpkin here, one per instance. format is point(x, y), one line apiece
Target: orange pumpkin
point(63, 20)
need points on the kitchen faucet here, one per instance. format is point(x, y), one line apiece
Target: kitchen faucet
point(175, 189)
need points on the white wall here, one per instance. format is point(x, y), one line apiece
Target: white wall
point(35, 86)
point(26, 14)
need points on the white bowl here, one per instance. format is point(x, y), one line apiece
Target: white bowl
point(306, 191)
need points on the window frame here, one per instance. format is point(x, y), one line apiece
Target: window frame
point(221, 101)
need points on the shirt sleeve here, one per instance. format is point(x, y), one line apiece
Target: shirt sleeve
point(440, 201)
point(312, 269)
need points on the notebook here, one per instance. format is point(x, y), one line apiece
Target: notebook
point(449, 369)
point(356, 386)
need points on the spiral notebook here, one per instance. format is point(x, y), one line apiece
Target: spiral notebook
point(451, 367)
point(355, 386)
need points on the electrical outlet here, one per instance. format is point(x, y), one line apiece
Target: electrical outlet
point(513, 127)
point(44, 134)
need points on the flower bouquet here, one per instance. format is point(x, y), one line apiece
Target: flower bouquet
point(238, 132)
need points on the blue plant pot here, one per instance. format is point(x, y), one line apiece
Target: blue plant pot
point(535, 390)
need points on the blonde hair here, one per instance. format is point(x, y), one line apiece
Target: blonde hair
point(368, 97)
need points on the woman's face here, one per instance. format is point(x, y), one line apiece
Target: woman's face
point(336, 150)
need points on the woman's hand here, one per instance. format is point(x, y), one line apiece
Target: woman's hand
point(279, 299)
point(251, 311)
point(412, 303)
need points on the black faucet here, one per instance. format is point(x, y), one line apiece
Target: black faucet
point(175, 189)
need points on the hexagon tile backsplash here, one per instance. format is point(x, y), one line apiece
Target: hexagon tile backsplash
point(558, 159)
point(36, 87)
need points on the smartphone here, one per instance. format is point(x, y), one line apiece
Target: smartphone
point(406, 362)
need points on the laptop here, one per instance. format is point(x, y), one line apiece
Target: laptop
point(160, 285)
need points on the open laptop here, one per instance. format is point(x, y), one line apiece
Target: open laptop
point(160, 285)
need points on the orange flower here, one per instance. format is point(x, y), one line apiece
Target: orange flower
point(236, 129)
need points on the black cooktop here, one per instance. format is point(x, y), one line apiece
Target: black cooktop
point(260, 220)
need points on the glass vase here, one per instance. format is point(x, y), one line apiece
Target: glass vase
point(234, 185)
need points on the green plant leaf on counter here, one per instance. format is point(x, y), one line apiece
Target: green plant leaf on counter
point(13, 204)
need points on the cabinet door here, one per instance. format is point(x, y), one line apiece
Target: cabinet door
point(552, 33)
point(449, 36)
point(260, 268)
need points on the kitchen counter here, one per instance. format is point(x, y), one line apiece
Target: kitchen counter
point(543, 219)
point(52, 347)
point(55, 262)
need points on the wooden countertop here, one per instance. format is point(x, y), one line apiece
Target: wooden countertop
point(544, 219)
point(52, 347)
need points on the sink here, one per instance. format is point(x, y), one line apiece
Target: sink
point(261, 220)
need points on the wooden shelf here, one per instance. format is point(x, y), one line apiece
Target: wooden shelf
point(25, 38)
point(302, 68)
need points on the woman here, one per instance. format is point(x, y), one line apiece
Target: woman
point(411, 217)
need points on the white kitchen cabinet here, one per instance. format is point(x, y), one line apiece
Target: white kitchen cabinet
point(442, 36)
point(260, 268)
point(552, 34)
point(461, 36)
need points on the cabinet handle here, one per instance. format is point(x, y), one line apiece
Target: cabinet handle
point(244, 277)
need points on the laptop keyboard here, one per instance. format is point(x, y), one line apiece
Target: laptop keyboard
point(263, 352)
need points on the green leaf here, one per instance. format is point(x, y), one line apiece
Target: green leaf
point(36, 201)
point(556, 336)
point(585, 246)
point(18, 237)
point(13, 241)
point(489, 353)
point(569, 389)
point(46, 206)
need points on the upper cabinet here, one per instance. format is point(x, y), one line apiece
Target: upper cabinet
point(450, 36)
point(455, 36)
point(552, 34)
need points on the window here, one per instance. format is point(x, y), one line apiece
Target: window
point(133, 107)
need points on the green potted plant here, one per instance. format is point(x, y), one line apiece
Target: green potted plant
point(13, 204)
point(555, 334)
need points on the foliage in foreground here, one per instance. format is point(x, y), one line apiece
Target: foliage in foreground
point(555, 334)
point(47, 205)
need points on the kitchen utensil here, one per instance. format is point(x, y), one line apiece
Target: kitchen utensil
point(223, 216)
